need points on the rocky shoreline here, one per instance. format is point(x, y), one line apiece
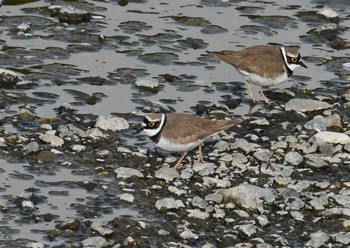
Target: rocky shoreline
point(265, 184)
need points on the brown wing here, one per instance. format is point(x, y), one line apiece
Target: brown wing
point(187, 128)
point(253, 59)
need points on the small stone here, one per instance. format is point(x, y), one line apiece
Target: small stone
point(167, 174)
point(95, 133)
point(263, 155)
point(25, 115)
point(318, 123)
point(317, 239)
point(147, 84)
point(294, 203)
point(203, 169)
point(127, 197)
point(221, 146)
point(342, 237)
point(31, 147)
point(275, 170)
point(315, 161)
point(260, 122)
point(101, 230)
point(199, 202)
point(169, 203)
point(293, 158)
point(78, 148)
point(219, 183)
point(198, 214)
point(244, 145)
point(331, 137)
point(343, 200)
point(249, 196)
point(8, 77)
point(188, 234)
point(111, 123)
point(46, 126)
point(125, 172)
point(34, 245)
point(94, 242)
point(215, 197)
point(246, 230)
point(263, 220)
point(279, 145)
point(306, 105)
point(336, 212)
point(334, 122)
point(52, 139)
point(227, 158)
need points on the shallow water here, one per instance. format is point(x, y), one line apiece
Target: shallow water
point(94, 76)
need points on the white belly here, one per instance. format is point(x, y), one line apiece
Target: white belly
point(165, 144)
point(261, 81)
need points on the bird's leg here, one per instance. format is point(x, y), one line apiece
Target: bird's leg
point(266, 100)
point(180, 160)
point(249, 87)
point(200, 154)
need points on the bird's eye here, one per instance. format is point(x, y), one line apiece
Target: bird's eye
point(294, 60)
point(150, 124)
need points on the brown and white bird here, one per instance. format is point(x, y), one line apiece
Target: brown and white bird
point(263, 65)
point(179, 132)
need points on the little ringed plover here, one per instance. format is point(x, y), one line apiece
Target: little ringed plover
point(263, 65)
point(179, 132)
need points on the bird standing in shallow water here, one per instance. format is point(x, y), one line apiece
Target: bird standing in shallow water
point(179, 132)
point(263, 65)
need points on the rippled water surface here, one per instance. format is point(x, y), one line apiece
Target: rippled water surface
point(94, 65)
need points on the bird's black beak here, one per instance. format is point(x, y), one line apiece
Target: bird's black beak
point(302, 64)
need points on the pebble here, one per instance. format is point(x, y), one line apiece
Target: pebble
point(188, 234)
point(318, 123)
point(125, 172)
point(78, 148)
point(331, 137)
point(315, 161)
point(169, 203)
point(198, 214)
point(219, 183)
point(111, 123)
point(199, 202)
point(306, 105)
point(246, 230)
point(8, 77)
point(244, 145)
point(127, 197)
point(293, 158)
point(260, 122)
point(52, 139)
point(166, 173)
point(317, 239)
point(249, 196)
point(94, 242)
point(221, 146)
point(342, 237)
point(203, 169)
point(34, 245)
point(214, 197)
point(101, 230)
point(343, 200)
point(31, 147)
point(276, 170)
point(263, 155)
point(147, 83)
point(95, 133)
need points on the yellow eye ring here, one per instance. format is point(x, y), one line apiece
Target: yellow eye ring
point(294, 60)
point(150, 124)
